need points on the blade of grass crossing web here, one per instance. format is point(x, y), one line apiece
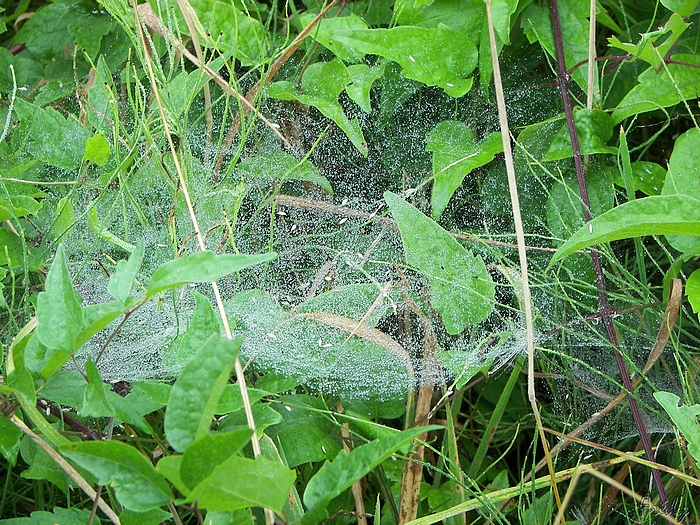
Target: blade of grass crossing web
point(520, 235)
point(240, 378)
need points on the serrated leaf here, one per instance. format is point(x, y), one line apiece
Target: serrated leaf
point(434, 56)
point(461, 287)
point(121, 282)
point(59, 309)
point(97, 150)
point(455, 154)
point(137, 485)
point(339, 475)
point(201, 267)
point(656, 215)
point(683, 178)
point(196, 391)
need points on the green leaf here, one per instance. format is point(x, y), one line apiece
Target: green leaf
point(692, 290)
point(55, 140)
point(594, 129)
point(683, 178)
point(684, 8)
point(169, 467)
point(204, 322)
point(96, 403)
point(11, 254)
point(136, 483)
point(65, 218)
point(325, 32)
point(339, 475)
point(9, 440)
point(239, 483)
point(322, 83)
point(656, 215)
point(667, 87)
point(305, 433)
point(18, 206)
point(150, 517)
point(59, 309)
point(647, 177)
point(203, 456)
point(201, 267)
point(72, 516)
point(461, 287)
point(97, 150)
point(121, 282)
point(685, 418)
point(456, 153)
point(647, 49)
point(436, 57)
point(196, 391)
point(363, 76)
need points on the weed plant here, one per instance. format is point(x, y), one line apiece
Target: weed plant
point(264, 261)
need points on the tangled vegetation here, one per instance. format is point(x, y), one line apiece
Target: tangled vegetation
point(377, 261)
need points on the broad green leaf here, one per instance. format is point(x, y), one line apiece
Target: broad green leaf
point(136, 483)
point(685, 417)
point(232, 517)
point(12, 254)
point(263, 415)
point(65, 218)
point(65, 387)
point(692, 290)
point(59, 309)
point(121, 282)
point(322, 83)
point(239, 482)
point(201, 267)
point(41, 466)
point(72, 516)
point(232, 401)
point(461, 15)
point(461, 287)
point(325, 31)
point(55, 140)
point(684, 8)
point(96, 318)
point(456, 153)
point(339, 475)
point(594, 129)
point(99, 229)
point(667, 87)
point(647, 49)
point(9, 440)
point(683, 178)
point(196, 391)
point(363, 76)
point(19, 377)
point(436, 57)
point(656, 215)
point(647, 177)
point(203, 324)
point(96, 403)
point(204, 455)
point(18, 206)
point(150, 517)
point(305, 433)
point(169, 467)
point(97, 150)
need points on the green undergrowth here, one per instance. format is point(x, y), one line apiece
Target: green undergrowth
point(355, 213)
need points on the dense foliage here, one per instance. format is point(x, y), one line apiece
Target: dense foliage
point(259, 261)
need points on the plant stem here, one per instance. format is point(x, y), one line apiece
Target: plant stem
point(603, 304)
